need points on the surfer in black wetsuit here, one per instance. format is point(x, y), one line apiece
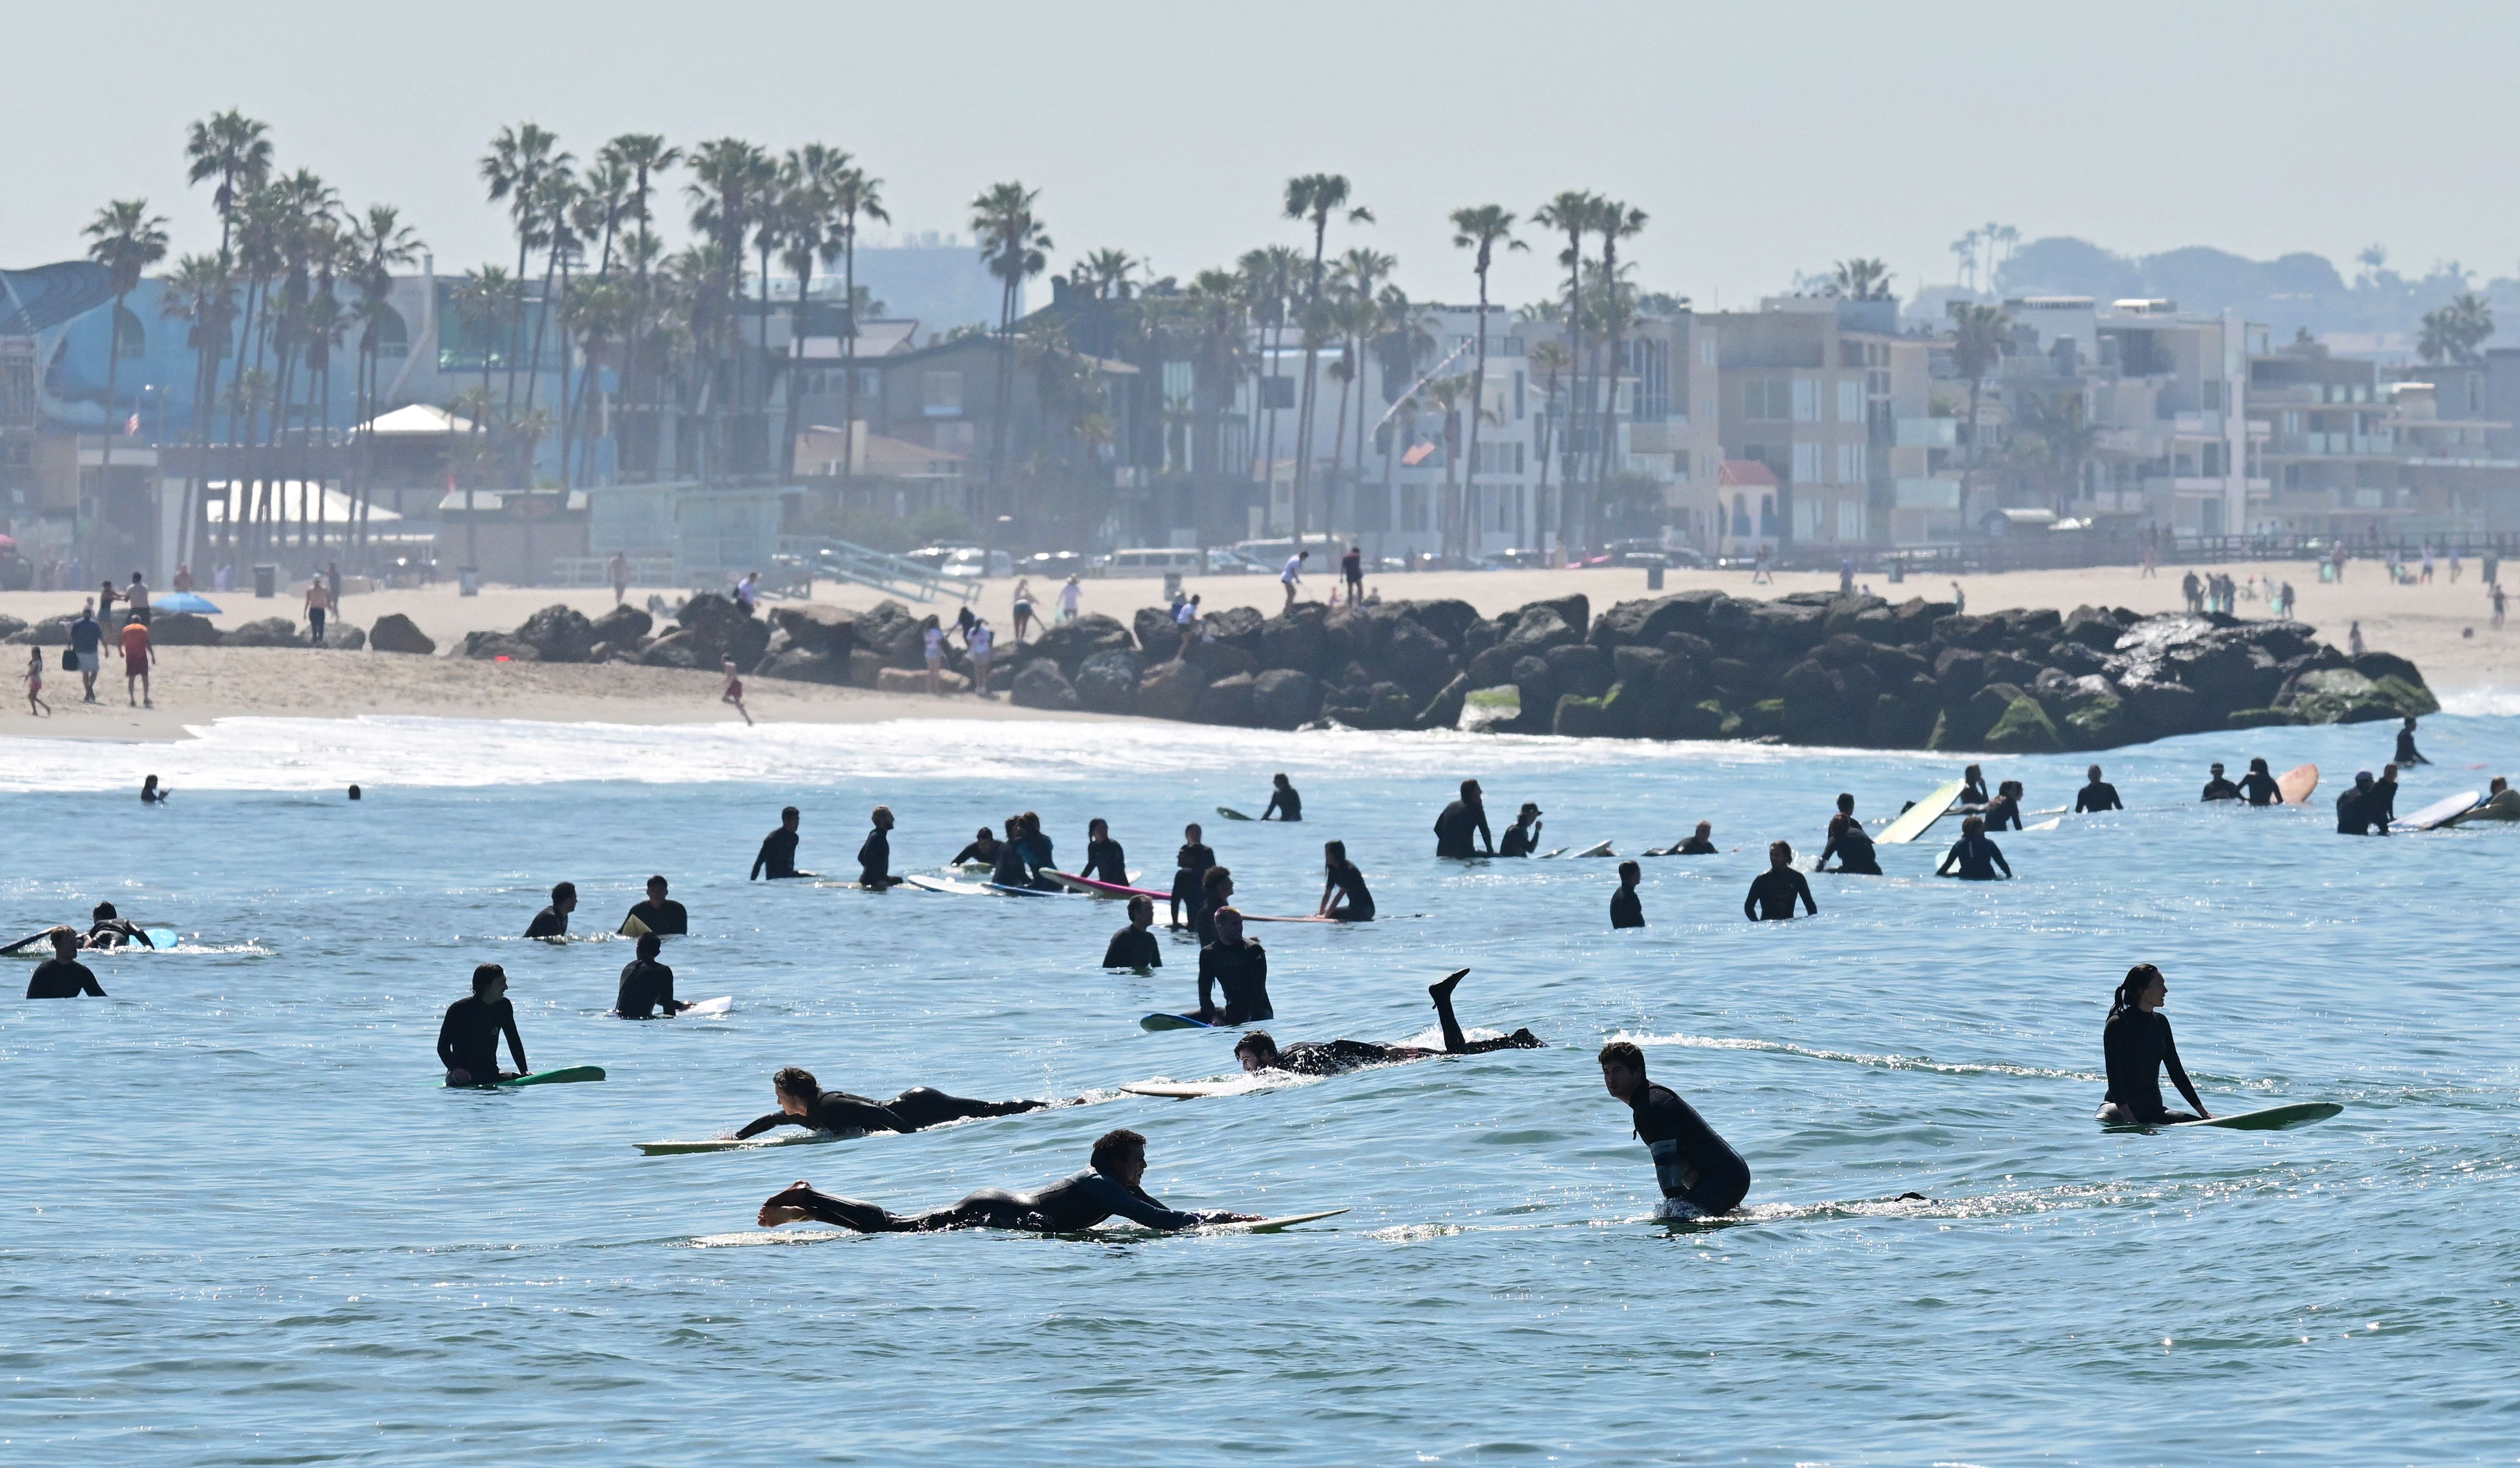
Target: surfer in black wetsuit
point(1239, 966)
point(1701, 842)
point(875, 856)
point(2004, 812)
point(1110, 1187)
point(1344, 898)
point(151, 793)
point(1522, 838)
point(1463, 817)
point(1972, 786)
point(1773, 893)
point(803, 1102)
point(1849, 842)
point(2137, 1044)
point(1698, 1172)
point(1135, 946)
point(1258, 1052)
point(2384, 796)
point(659, 915)
point(1627, 909)
point(2100, 795)
point(107, 928)
point(984, 850)
point(1104, 860)
point(2258, 787)
point(1011, 869)
point(778, 854)
point(2407, 752)
point(467, 1039)
point(61, 976)
point(647, 985)
point(553, 921)
point(1283, 802)
point(1190, 874)
point(1215, 890)
point(2219, 789)
point(1978, 855)
point(2355, 815)
point(1038, 855)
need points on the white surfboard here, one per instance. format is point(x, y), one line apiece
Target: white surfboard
point(781, 1138)
point(2441, 812)
point(703, 1009)
point(1918, 817)
point(945, 884)
point(2049, 824)
point(1600, 850)
point(1188, 1091)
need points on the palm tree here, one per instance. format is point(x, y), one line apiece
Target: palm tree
point(1362, 274)
point(644, 155)
point(1266, 273)
point(2454, 331)
point(1551, 359)
point(2062, 422)
point(1013, 247)
point(1104, 274)
point(380, 243)
point(1481, 229)
point(1216, 295)
point(1617, 222)
point(1979, 336)
point(235, 149)
point(480, 299)
point(558, 195)
point(853, 194)
point(1861, 278)
point(514, 170)
point(808, 187)
point(201, 291)
point(1314, 196)
point(731, 183)
point(126, 239)
point(1965, 250)
point(1573, 212)
point(473, 404)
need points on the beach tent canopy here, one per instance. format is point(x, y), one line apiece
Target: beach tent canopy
point(418, 420)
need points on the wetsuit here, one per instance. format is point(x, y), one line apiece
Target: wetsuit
point(778, 855)
point(1973, 793)
point(1332, 1057)
point(2219, 789)
point(115, 933)
point(2406, 754)
point(875, 860)
point(647, 986)
point(549, 922)
point(1694, 846)
point(1037, 856)
point(1692, 1164)
point(1627, 909)
point(1242, 970)
point(2258, 788)
point(468, 1040)
point(1453, 828)
point(1773, 895)
point(1010, 870)
point(2384, 801)
point(2098, 795)
point(665, 919)
point(976, 852)
point(1518, 842)
point(1978, 858)
point(1133, 948)
point(1285, 804)
point(914, 1110)
point(2004, 813)
point(1355, 903)
point(1190, 873)
point(2138, 1045)
point(1853, 848)
point(2354, 816)
point(1064, 1207)
point(62, 979)
point(1105, 862)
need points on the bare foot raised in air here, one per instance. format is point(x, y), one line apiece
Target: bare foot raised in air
point(774, 1212)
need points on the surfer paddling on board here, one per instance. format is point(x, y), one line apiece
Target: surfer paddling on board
point(2138, 1044)
point(1774, 894)
point(2219, 789)
point(803, 1102)
point(1190, 874)
point(2257, 787)
point(1344, 898)
point(61, 976)
point(1699, 1173)
point(1978, 855)
point(1104, 860)
point(778, 854)
point(647, 984)
point(553, 921)
point(1329, 1057)
point(983, 849)
point(1110, 1187)
point(1453, 828)
point(1283, 802)
point(1701, 843)
point(1848, 843)
point(467, 1039)
point(1239, 966)
point(107, 928)
point(2100, 795)
point(659, 915)
point(1135, 946)
point(875, 857)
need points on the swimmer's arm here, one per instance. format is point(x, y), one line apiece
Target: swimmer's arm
point(761, 1124)
point(1996, 852)
point(2178, 1076)
point(1804, 888)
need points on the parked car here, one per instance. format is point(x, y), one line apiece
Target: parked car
point(1155, 560)
point(1056, 564)
point(978, 564)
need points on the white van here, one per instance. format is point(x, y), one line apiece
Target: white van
point(1156, 560)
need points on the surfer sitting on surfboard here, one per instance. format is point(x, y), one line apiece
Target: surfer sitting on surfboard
point(1104, 860)
point(1283, 802)
point(875, 857)
point(467, 1039)
point(2137, 1043)
point(1238, 965)
point(1344, 883)
point(778, 854)
point(1978, 855)
point(2257, 787)
point(1135, 946)
point(1522, 838)
point(1109, 1187)
point(647, 985)
point(1848, 843)
point(1699, 1173)
point(803, 1102)
point(1773, 893)
point(1701, 842)
point(659, 913)
point(1329, 1057)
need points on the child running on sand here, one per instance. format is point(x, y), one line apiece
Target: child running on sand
point(35, 704)
point(734, 692)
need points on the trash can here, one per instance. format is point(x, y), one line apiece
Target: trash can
point(266, 581)
point(1898, 572)
point(1172, 585)
point(1653, 576)
point(467, 581)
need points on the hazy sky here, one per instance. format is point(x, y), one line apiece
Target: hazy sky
point(1762, 138)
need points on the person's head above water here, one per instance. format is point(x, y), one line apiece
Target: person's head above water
point(1974, 776)
point(1097, 828)
point(1630, 873)
point(1142, 911)
point(2144, 988)
point(985, 837)
point(2257, 766)
point(1219, 883)
point(354, 792)
point(1530, 810)
point(1973, 825)
point(104, 912)
point(1120, 1154)
point(2095, 773)
point(649, 944)
point(149, 783)
point(1705, 828)
point(1191, 833)
point(1469, 789)
point(489, 982)
point(1846, 803)
point(2217, 770)
point(565, 895)
point(796, 1089)
point(1623, 1069)
point(1229, 925)
point(1277, 780)
point(2410, 722)
point(2362, 777)
point(1257, 1051)
point(1780, 855)
point(883, 818)
point(65, 940)
point(788, 816)
point(656, 889)
point(1334, 853)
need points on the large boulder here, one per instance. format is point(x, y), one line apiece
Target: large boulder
point(1537, 686)
point(1171, 689)
point(1444, 710)
point(9, 627)
point(483, 646)
point(1535, 630)
point(1236, 627)
point(812, 626)
point(180, 629)
point(2338, 696)
point(1228, 700)
point(1297, 639)
point(395, 632)
point(1285, 698)
point(347, 637)
point(719, 628)
point(1039, 683)
point(806, 665)
point(281, 632)
point(1159, 636)
point(1581, 669)
point(914, 681)
point(1108, 682)
point(622, 626)
point(1386, 705)
point(679, 649)
point(1070, 644)
point(1579, 717)
point(894, 636)
point(1447, 618)
point(1417, 659)
point(2024, 729)
point(559, 634)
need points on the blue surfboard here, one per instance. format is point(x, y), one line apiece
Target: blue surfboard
point(1174, 1022)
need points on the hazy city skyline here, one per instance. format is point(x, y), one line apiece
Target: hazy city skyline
point(1761, 143)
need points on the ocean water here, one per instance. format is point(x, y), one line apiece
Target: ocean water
point(240, 1223)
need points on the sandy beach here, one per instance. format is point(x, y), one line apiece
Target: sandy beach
point(2445, 626)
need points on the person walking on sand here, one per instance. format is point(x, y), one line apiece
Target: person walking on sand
point(1352, 571)
point(136, 660)
point(35, 704)
point(87, 642)
point(1292, 576)
point(1070, 595)
point(734, 692)
point(333, 584)
point(319, 600)
point(621, 572)
point(2495, 594)
point(932, 635)
point(135, 596)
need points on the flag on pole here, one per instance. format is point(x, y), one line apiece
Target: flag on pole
point(131, 430)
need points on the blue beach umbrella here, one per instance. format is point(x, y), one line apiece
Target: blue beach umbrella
point(187, 601)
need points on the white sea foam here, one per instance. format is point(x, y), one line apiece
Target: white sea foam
point(2487, 699)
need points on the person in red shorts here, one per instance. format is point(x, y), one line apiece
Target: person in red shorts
point(136, 658)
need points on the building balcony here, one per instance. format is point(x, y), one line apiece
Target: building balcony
point(1929, 433)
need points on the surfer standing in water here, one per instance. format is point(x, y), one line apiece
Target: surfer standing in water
point(1978, 855)
point(1190, 873)
point(1522, 838)
point(61, 976)
point(2219, 789)
point(1343, 895)
point(2100, 795)
point(803, 1102)
point(982, 849)
point(1104, 860)
point(1135, 946)
point(2137, 1043)
point(778, 854)
point(553, 921)
point(2258, 787)
point(875, 857)
point(1627, 907)
point(1110, 1186)
point(1773, 893)
point(467, 1039)
point(1848, 843)
point(1283, 802)
point(647, 984)
point(1239, 966)
point(1453, 828)
point(1258, 1052)
point(660, 914)
point(1698, 1172)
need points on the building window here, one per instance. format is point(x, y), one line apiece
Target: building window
point(1517, 397)
point(1850, 400)
point(1769, 399)
point(1806, 466)
point(941, 395)
point(1852, 463)
point(1740, 515)
point(1177, 384)
point(130, 337)
point(1806, 400)
point(1850, 520)
point(1811, 520)
point(1706, 352)
point(394, 337)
